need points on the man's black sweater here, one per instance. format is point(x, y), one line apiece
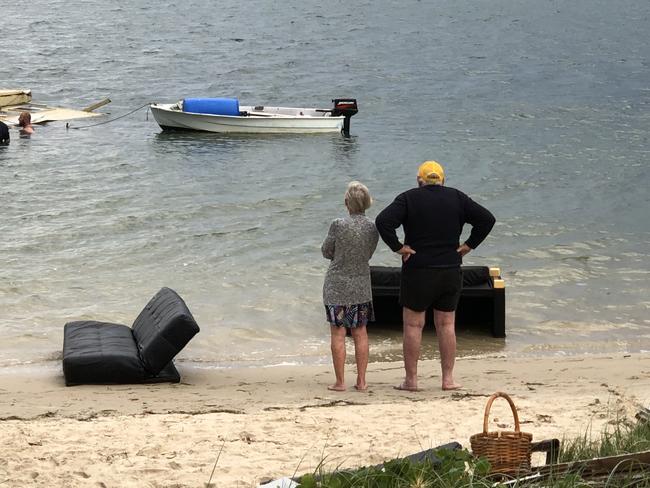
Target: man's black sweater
point(433, 217)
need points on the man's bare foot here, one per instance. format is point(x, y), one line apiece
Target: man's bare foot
point(363, 387)
point(452, 386)
point(336, 387)
point(405, 387)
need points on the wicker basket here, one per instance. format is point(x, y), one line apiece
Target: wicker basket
point(507, 451)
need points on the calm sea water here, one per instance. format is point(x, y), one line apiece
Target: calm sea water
point(539, 110)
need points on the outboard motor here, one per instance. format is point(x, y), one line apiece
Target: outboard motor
point(346, 107)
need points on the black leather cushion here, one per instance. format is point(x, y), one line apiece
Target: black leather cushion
point(162, 329)
point(385, 276)
point(389, 276)
point(475, 275)
point(104, 353)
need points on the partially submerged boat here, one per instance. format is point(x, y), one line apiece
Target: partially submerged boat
point(13, 102)
point(14, 97)
point(226, 115)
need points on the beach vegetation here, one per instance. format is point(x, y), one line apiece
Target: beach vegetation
point(456, 468)
point(620, 436)
point(459, 469)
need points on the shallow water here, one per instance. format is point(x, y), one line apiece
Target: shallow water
point(539, 110)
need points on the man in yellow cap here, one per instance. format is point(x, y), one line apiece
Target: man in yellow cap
point(432, 216)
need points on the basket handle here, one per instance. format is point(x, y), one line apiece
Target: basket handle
point(489, 405)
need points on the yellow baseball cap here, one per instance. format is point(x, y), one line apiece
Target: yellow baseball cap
point(431, 172)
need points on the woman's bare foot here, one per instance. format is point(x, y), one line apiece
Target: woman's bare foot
point(363, 387)
point(452, 386)
point(405, 387)
point(336, 387)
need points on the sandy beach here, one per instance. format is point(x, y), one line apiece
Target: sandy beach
point(274, 422)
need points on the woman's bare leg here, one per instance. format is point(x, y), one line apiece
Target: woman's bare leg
point(338, 357)
point(361, 351)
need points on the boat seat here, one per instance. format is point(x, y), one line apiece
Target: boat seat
point(107, 353)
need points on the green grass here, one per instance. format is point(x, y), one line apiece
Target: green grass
point(458, 469)
point(619, 437)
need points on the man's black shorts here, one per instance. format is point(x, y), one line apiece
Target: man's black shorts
point(422, 287)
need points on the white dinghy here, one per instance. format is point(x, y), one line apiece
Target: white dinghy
point(226, 115)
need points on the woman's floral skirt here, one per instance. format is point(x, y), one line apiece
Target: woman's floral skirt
point(350, 316)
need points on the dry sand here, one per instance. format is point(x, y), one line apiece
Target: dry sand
point(274, 422)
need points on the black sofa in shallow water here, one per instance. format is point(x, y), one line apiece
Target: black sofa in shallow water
point(482, 302)
point(106, 353)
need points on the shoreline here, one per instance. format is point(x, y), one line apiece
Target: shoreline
point(274, 422)
point(51, 364)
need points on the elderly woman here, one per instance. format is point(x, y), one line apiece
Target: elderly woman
point(347, 293)
point(25, 123)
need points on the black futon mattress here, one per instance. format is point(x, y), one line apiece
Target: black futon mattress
point(104, 353)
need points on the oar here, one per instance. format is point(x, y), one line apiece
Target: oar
point(95, 106)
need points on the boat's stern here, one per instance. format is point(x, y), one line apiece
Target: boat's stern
point(346, 107)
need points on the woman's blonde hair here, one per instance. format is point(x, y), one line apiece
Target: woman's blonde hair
point(357, 197)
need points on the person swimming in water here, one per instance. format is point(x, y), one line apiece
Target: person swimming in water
point(25, 124)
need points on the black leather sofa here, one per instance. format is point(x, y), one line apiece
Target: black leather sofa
point(106, 353)
point(482, 303)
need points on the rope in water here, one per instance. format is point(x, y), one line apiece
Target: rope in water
point(68, 126)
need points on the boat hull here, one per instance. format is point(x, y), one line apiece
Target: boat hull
point(175, 119)
point(14, 97)
point(14, 102)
